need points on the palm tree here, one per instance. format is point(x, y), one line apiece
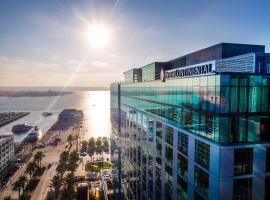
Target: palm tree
point(91, 152)
point(23, 181)
point(38, 157)
point(105, 145)
point(84, 146)
point(69, 182)
point(64, 156)
point(73, 161)
point(17, 186)
point(99, 146)
point(7, 198)
point(69, 140)
point(30, 169)
point(91, 147)
point(77, 137)
point(56, 184)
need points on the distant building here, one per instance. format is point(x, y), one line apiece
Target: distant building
point(196, 127)
point(6, 154)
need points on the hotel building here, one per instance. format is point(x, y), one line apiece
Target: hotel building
point(196, 127)
point(6, 154)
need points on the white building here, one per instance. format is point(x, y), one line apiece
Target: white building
point(6, 154)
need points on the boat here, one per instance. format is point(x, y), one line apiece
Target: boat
point(46, 114)
point(35, 133)
point(21, 128)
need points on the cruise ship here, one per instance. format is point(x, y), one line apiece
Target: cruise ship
point(21, 128)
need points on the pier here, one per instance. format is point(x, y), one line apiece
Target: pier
point(8, 117)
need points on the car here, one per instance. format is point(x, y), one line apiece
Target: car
point(83, 154)
point(49, 165)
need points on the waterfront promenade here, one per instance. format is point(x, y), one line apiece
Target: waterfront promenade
point(52, 154)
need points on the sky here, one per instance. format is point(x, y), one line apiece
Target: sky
point(44, 43)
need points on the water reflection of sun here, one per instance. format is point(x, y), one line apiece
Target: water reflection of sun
point(97, 114)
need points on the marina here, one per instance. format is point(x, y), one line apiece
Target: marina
point(8, 117)
point(94, 104)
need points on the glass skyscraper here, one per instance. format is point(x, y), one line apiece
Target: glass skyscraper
point(196, 127)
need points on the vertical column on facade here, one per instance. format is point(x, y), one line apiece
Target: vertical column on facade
point(141, 159)
point(163, 164)
point(213, 173)
point(147, 153)
point(226, 161)
point(175, 147)
point(136, 164)
point(258, 181)
point(191, 156)
point(154, 160)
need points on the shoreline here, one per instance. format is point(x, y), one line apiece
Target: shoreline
point(19, 115)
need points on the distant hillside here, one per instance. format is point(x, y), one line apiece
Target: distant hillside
point(53, 88)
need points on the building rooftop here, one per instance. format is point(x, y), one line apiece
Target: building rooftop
point(4, 137)
point(229, 57)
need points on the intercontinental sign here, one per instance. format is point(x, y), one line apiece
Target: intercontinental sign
point(192, 70)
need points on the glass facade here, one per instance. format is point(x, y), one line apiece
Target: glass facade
point(195, 137)
point(223, 108)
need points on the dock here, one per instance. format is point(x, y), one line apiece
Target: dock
point(8, 117)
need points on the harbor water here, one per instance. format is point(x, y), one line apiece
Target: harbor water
point(94, 104)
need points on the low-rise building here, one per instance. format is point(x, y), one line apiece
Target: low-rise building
point(6, 154)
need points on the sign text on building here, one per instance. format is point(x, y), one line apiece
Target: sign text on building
point(193, 70)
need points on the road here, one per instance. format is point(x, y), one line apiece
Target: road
point(52, 154)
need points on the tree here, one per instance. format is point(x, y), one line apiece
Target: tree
point(38, 157)
point(16, 186)
point(69, 182)
point(73, 161)
point(7, 198)
point(77, 137)
point(63, 163)
point(105, 145)
point(56, 183)
point(22, 181)
point(84, 146)
point(91, 147)
point(91, 143)
point(69, 140)
point(99, 146)
point(30, 169)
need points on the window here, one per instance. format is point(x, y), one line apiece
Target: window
point(243, 161)
point(242, 189)
point(266, 188)
point(183, 143)
point(265, 128)
point(181, 189)
point(169, 135)
point(169, 155)
point(159, 129)
point(201, 181)
point(267, 165)
point(158, 147)
point(202, 153)
point(182, 165)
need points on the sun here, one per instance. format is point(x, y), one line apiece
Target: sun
point(98, 36)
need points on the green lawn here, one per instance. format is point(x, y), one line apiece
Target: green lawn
point(96, 167)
